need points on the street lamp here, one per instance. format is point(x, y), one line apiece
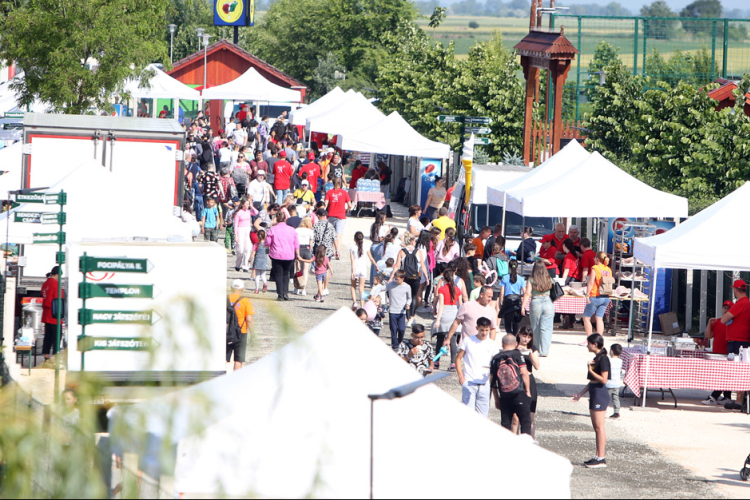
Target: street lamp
point(206, 37)
point(200, 35)
point(395, 393)
point(171, 42)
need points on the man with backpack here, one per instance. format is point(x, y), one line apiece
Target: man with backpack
point(511, 386)
point(472, 364)
point(240, 313)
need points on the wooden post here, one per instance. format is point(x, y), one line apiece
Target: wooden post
point(560, 71)
point(532, 75)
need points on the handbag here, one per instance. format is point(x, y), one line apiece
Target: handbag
point(64, 308)
point(556, 291)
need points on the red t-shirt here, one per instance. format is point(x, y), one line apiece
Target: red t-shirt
point(49, 294)
point(558, 243)
point(588, 260)
point(357, 174)
point(719, 330)
point(449, 193)
point(337, 200)
point(446, 293)
point(570, 262)
point(549, 254)
point(313, 172)
point(282, 172)
point(739, 330)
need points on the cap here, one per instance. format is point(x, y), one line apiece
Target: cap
point(547, 237)
point(238, 285)
point(305, 183)
point(740, 285)
point(311, 156)
point(242, 106)
point(282, 154)
point(330, 150)
point(728, 303)
point(261, 172)
point(55, 270)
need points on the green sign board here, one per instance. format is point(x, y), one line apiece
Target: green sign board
point(39, 217)
point(97, 290)
point(482, 140)
point(43, 198)
point(56, 238)
point(91, 317)
point(115, 265)
point(478, 120)
point(14, 115)
point(86, 344)
point(478, 130)
point(450, 119)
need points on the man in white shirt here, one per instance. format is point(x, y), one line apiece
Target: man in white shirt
point(473, 367)
point(240, 135)
point(260, 191)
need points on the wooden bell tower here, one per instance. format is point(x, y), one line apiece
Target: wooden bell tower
point(550, 50)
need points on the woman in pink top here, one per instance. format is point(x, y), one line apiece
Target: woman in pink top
point(447, 249)
point(243, 223)
point(283, 248)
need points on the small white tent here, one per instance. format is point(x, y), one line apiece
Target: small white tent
point(684, 247)
point(352, 115)
point(251, 86)
point(618, 194)
point(161, 86)
point(11, 167)
point(297, 424)
point(393, 135)
point(566, 159)
point(328, 101)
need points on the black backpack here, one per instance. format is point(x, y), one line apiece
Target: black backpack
point(207, 157)
point(234, 330)
point(410, 264)
point(506, 375)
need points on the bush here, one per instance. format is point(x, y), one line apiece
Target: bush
point(473, 25)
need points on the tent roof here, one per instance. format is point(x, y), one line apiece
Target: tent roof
point(618, 194)
point(328, 101)
point(684, 247)
point(354, 114)
point(252, 86)
point(394, 136)
point(566, 159)
point(161, 86)
point(9, 98)
point(11, 164)
point(296, 424)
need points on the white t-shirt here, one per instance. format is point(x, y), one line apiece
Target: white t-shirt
point(225, 155)
point(240, 136)
point(414, 223)
point(361, 264)
point(477, 357)
point(305, 235)
point(616, 373)
point(391, 251)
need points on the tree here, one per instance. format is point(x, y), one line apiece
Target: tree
point(76, 55)
point(325, 75)
point(701, 9)
point(662, 29)
point(473, 25)
point(188, 15)
point(604, 55)
point(437, 17)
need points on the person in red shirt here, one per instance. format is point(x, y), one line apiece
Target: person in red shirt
point(570, 262)
point(547, 255)
point(282, 176)
point(737, 320)
point(358, 173)
point(312, 169)
point(717, 331)
point(588, 260)
point(575, 235)
point(242, 114)
point(49, 295)
point(337, 204)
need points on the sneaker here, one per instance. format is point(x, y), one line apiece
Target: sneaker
point(257, 290)
point(302, 292)
point(316, 298)
point(733, 406)
point(615, 416)
point(710, 401)
point(265, 287)
point(325, 292)
point(237, 269)
point(596, 464)
point(437, 365)
point(452, 368)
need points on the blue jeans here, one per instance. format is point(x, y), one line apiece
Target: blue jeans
point(280, 195)
point(397, 323)
point(377, 253)
point(476, 397)
point(542, 316)
point(598, 306)
point(432, 213)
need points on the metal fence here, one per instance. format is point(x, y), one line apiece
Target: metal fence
point(669, 49)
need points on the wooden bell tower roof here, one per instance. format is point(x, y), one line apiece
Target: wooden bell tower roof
point(551, 45)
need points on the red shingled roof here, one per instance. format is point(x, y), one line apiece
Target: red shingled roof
point(546, 44)
point(725, 91)
point(254, 61)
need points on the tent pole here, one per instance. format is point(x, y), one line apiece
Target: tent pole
point(372, 444)
point(523, 233)
point(654, 276)
point(505, 204)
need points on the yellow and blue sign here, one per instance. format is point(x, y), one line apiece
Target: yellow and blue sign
point(234, 12)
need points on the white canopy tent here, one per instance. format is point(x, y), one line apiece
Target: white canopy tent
point(297, 424)
point(393, 135)
point(12, 167)
point(161, 86)
point(251, 86)
point(632, 198)
point(328, 101)
point(352, 115)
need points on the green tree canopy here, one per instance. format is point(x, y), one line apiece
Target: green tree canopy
point(703, 8)
point(75, 55)
point(661, 29)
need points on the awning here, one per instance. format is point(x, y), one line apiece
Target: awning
point(352, 115)
point(252, 86)
point(161, 86)
point(328, 101)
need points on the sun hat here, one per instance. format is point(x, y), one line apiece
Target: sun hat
point(238, 285)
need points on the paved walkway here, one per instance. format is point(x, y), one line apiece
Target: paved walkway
point(667, 453)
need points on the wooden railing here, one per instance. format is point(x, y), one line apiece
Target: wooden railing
point(541, 138)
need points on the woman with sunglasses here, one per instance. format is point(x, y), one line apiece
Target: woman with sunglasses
point(598, 375)
point(530, 354)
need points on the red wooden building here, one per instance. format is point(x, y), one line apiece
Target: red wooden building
point(226, 62)
point(725, 95)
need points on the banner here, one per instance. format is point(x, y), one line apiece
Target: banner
point(429, 169)
point(232, 12)
point(467, 160)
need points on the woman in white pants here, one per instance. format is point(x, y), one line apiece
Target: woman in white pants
point(243, 223)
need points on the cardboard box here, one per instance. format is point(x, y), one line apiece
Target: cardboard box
point(669, 324)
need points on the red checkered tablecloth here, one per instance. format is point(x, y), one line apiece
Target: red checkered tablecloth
point(569, 304)
point(376, 197)
point(684, 373)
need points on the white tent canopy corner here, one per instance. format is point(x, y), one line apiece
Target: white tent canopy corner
point(297, 424)
point(330, 100)
point(160, 86)
point(251, 86)
point(354, 114)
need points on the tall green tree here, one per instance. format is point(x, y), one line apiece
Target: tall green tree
point(701, 9)
point(188, 16)
point(75, 55)
point(662, 29)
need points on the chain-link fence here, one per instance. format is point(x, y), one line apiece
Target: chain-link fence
point(669, 49)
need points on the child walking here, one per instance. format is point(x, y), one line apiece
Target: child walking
point(615, 384)
point(259, 258)
point(360, 261)
point(322, 268)
point(229, 225)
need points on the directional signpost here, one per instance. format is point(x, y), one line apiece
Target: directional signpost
point(482, 140)
point(477, 125)
point(479, 130)
point(87, 316)
point(56, 238)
